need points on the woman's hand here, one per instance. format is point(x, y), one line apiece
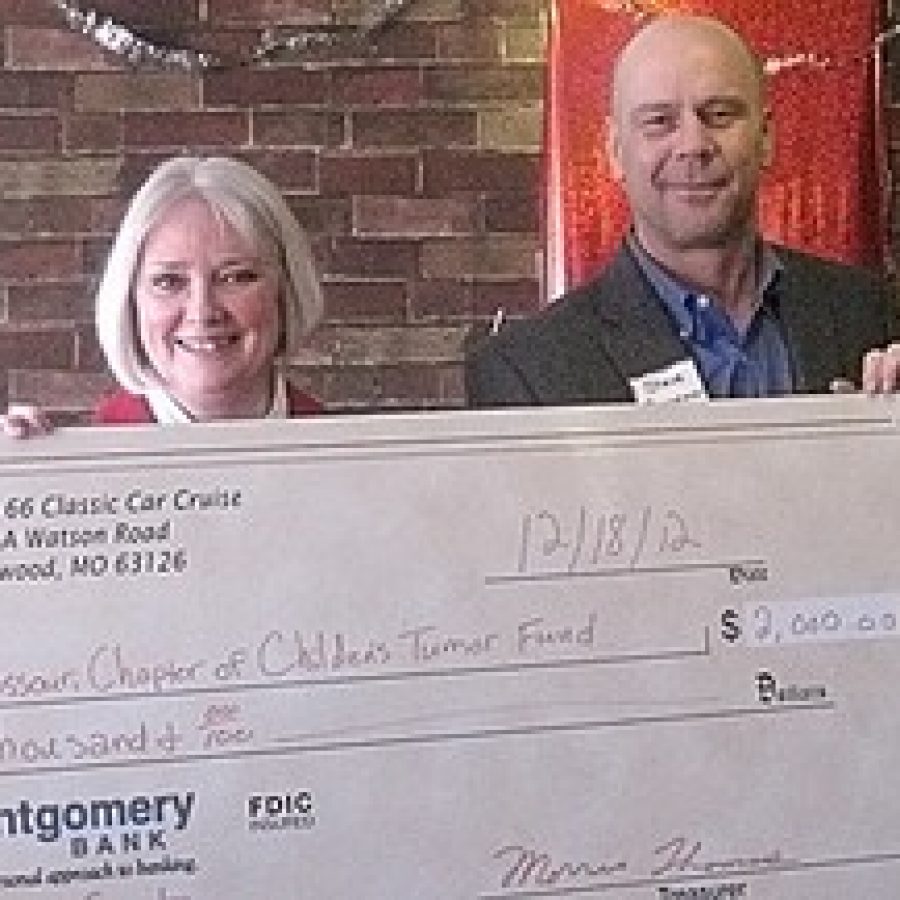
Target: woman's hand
point(23, 421)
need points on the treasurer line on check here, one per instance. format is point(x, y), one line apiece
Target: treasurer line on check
point(694, 303)
point(210, 284)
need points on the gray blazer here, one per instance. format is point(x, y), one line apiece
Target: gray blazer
point(585, 347)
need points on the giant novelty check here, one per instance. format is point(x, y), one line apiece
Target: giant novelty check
point(561, 653)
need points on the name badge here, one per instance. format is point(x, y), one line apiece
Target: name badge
point(674, 384)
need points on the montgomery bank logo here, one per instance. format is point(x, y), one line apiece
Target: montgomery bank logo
point(100, 824)
point(291, 810)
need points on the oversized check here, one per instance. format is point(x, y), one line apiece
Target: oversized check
point(559, 653)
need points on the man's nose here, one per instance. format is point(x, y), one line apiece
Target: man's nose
point(694, 138)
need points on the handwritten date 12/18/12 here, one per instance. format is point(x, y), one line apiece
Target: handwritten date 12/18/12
point(590, 540)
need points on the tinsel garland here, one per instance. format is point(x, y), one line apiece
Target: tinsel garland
point(122, 41)
point(813, 60)
point(642, 9)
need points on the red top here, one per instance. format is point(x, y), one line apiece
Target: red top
point(122, 408)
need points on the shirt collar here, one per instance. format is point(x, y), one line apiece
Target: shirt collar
point(168, 411)
point(681, 301)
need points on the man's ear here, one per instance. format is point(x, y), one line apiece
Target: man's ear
point(768, 138)
point(614, 149)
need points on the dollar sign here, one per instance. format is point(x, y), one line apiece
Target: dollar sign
point(731, 630)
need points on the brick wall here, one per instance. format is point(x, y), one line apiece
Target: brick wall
point(414, 162)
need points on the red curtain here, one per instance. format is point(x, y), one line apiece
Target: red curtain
point(824, 191)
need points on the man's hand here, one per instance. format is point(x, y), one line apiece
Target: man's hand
point(23, 421)
point(881, 370)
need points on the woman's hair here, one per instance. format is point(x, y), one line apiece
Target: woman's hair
point(250, 204)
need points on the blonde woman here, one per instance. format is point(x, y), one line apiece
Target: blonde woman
point(210, 285)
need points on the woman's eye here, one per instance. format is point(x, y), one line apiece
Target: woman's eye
point(168, 282)
point(239, 276)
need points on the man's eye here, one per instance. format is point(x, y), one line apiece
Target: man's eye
point(656, 124)
point(719, 116)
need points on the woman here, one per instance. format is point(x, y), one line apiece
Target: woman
point(210, 285)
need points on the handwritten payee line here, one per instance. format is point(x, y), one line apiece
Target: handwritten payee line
point(730, 875)
point(618, 571)
point(231, 688)
point(381, 743)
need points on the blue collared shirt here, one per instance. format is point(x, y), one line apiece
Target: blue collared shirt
point(755, 363)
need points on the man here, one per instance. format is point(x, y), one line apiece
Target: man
point(694, 301)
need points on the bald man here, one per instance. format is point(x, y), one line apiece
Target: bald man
point(694, 303)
